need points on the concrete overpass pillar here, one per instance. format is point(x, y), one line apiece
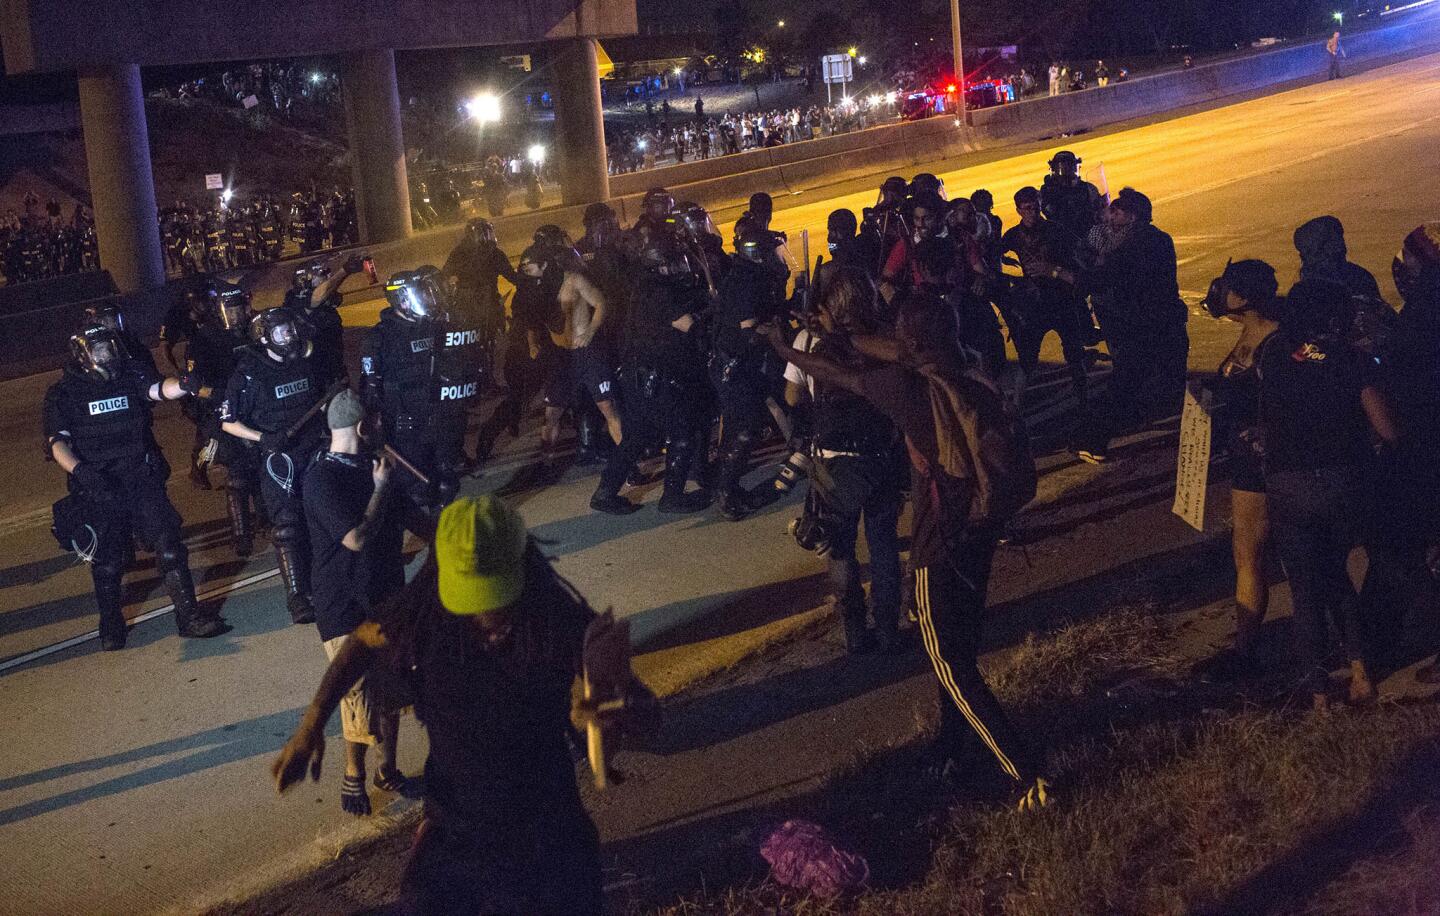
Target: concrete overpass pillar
point(579, 122)
point(122, 187)
point(377, 145)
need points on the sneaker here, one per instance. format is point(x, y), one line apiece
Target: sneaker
point(1092, 455)
point(206, 628)
point(612, 504)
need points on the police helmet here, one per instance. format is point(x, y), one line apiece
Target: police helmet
point(283, 332)
point(666, 256)
point(310, 276)
point(410, 296)
point(598, 213)
point(553, 236)
point(232, 309)
point(201, 299)
point(751, 241)
point(480, 231)
point(696, 220)
point(1065, 163)
point(107, 314)
point(657, 203)
point(98, 351)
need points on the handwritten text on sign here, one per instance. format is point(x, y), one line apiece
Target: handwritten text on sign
point(1192, 467)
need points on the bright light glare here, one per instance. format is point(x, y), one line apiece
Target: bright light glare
point(852, 52)
point(1339, 17)
point(537, 153)
point(862, 60)
point(890, 98)
point(679, 70)
point(226, 194)
point(876, 99)
point(315, 77)
point(484, 107)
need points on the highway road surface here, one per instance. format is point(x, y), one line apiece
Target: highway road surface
point(136, 781)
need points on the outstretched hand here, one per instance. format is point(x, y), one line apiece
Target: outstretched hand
point(305, 749)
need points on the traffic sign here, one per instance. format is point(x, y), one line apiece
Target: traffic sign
point(837, 68)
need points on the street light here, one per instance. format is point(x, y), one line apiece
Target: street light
point(861, 60)
point(314, 77)
point(780, 24)
point(852, 51)
point(959, 57)
point(1339, 17)
point(484, 107)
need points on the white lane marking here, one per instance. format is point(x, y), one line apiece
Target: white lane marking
point(64, 644)
point(24, 521)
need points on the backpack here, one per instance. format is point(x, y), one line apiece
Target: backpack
point(981, 439)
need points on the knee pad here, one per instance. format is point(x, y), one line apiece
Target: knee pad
point(107, 573)
point(287, 532)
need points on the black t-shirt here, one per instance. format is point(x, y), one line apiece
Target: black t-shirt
point(477, 271)
point(336, 490)
point(1311, 416)
point(497, 718)
point(940, 504)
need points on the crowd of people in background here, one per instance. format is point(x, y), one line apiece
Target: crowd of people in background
point(40, 242)
point(277, 85)
point(204, 236)
point(669, 138)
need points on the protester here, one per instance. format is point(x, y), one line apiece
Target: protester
point(1246, 295)
point(490, 641)
point(355, 562)
point(1136, 291)
point(953, 533)
point(1316, 465)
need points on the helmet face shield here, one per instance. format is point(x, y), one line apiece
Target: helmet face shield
point(413, 296)
point(481, 232)
point(98, 351)
point(232, 310)
point(282, 333)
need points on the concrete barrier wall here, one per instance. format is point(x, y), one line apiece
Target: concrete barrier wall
point(796, 167)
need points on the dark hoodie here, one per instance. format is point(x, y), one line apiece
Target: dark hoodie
point(1321, 243)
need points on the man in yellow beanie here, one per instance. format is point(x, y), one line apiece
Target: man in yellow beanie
point(491, 640)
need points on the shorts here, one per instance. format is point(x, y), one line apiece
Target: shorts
point(570, 372)
point(367, 704)
point(1247, 474)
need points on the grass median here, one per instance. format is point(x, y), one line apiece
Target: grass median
point(1175, 795)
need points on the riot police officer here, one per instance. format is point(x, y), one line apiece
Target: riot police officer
point(1069, 200)
point(98, 428)
point(211, 356)
point(655, 209)
point(474, 269)
point(662, 376)
point(746, 299)
point(109, 315)
point(537, 292)
point(315, 293)
point(409, 379)
point(274, 400)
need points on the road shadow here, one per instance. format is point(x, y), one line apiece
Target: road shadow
point(212, 748)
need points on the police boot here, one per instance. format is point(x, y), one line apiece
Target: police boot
point(112, 614)
point(674, 499)
point(242, 535)
point(296, 600)
point(734, 461)
point(587, 437)
point(190, 621)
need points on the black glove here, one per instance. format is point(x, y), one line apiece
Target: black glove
point(90, 479)
point(190, 383)
point(354, 265)
point(274, 442)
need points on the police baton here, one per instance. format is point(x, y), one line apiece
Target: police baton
point(315, 408)
point(404, 463)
